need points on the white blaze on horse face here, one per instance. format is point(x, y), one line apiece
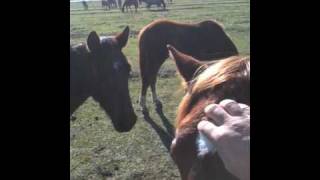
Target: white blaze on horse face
point(205, 146)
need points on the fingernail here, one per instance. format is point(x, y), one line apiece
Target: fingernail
point(227, 101)
point(210, 108)
point(202, 124)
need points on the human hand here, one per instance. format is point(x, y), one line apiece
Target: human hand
point(229, 131)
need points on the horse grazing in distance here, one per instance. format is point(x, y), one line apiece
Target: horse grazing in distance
point(119, 4)
point(128, 3)
point(85, 5)
point(225, 79)
point(113, 3)
point(105, 4)
point(204, 40)
point(154, 2)
point(99, 69)
point(109, 4)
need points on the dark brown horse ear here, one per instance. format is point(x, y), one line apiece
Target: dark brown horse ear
point(186, 65)
point(93, 41)
point(122, 38)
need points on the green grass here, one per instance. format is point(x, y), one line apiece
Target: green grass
point(99, 152)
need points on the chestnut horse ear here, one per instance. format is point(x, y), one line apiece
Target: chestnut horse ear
point(93, 41)
point(122, 38)
point(186, 65)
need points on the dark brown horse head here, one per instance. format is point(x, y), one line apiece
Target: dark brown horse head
point(207, 83)
point(112, 72)
point(107, 70)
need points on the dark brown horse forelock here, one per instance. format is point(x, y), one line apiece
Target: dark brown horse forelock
point(118, 62)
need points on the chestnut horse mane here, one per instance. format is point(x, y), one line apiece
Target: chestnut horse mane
point(213, 82)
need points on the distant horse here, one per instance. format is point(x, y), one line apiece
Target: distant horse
point(225, 79)
point(119, 4)
point(100, 70)
point(128, 3)
point(105, 4)
point(108, 4)
point(205, 40)
point(154, 2)
point(85, 5)
point(113, 3)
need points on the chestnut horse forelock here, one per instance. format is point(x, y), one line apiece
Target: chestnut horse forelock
point(227, 78)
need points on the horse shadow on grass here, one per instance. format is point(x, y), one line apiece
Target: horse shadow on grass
point(165, 121)
point(165, 136)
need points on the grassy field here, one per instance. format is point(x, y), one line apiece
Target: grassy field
point(97, 151)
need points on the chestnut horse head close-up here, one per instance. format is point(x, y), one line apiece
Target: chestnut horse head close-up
point(206, 83)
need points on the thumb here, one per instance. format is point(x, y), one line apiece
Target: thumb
point(208, 129)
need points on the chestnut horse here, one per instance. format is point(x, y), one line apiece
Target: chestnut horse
point(226, 79)
point(205, 40)
point(100, 70)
